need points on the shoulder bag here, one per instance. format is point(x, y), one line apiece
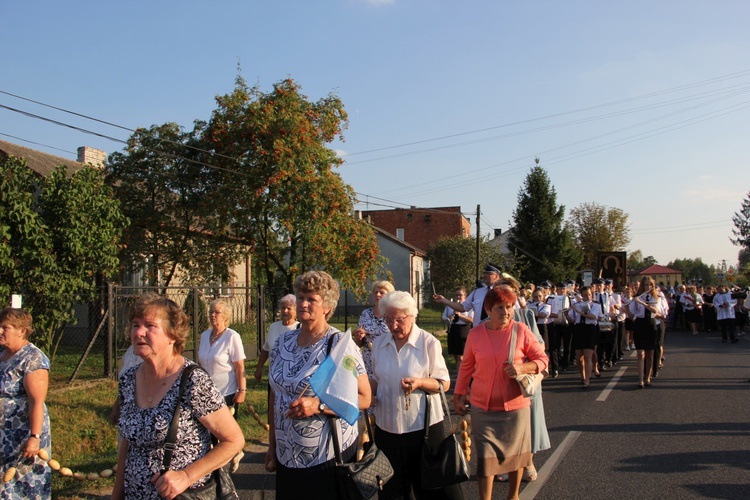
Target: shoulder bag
point(528, 382)
point(364, 478)
point(220, 486)
point(446, 465)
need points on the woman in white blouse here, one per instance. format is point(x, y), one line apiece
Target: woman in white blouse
point(407, 367)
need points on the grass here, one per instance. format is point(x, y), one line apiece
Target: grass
point(84, 440)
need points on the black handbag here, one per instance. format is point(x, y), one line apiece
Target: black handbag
point(446, 465)
point(220, 486)
point(364, 478)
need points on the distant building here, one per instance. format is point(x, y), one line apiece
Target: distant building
point(420, 227)
point(44, 164)
point(662, 275)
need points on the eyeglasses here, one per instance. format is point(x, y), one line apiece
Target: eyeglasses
point(398, 321)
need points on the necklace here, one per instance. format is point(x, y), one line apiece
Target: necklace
point(313, 338)
point(215, 336)
point(150, 397)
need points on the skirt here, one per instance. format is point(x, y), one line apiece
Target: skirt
point(694, 315)
point(502, 440)
point(585, 336)
point(645, 334)
point(457, 338)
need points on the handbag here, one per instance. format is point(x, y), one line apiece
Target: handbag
point(220, 486)
point(528, 382)
point(446, 465)
point(364, 478)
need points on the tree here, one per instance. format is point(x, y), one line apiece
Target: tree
point(598, 228)
point(695, 270)
point(637, 262)
point(171, 194)
point(741, 221)
point(542, 244)
point(57, 235)
point(286, 201)
point(453, 262)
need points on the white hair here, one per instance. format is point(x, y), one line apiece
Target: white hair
point(287, 300)
point(401, 301)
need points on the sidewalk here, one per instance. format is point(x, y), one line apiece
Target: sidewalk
point(251, 479)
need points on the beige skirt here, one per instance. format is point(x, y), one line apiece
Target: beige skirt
point(502, 440)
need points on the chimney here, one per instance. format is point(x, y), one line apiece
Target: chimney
point(95, 157)
point(498, 232)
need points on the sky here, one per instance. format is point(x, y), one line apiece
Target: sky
point(640, 105)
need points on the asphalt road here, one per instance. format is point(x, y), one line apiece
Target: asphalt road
point(687, 436)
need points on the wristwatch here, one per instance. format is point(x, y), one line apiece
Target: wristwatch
point(38, 436)
point(322, 407)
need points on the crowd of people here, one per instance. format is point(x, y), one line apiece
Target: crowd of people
point(496, 333)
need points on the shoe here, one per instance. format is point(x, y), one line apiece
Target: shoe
point(632, 347)
point(502, 478)
point(529, 473)
point(598, 374)
point(640, 385)
point(648, 383)
point(734, 341)
point(627, 348)
point(236, 462)
point(585, 386)
point(555, 374)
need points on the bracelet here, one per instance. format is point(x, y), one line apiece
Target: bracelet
point(242, 390)
point(38, 436)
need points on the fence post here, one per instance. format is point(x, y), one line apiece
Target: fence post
point(346, 310)
point(196, 340)
point(110, 329)
point(261, 318)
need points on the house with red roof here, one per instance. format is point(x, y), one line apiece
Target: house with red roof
point(662, 275)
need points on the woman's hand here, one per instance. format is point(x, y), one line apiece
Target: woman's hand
point(513, 370)
point(258, 373)
point(303, 407)
point(239, 397)
point(171, 483)
point(31, 448)
point(358, 336)
point(410, 384)
point(270, 460)
point(459, 404)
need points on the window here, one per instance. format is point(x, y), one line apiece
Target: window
point(400, 233)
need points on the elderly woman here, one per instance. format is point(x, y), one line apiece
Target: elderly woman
point(371, 324)
point(222, 355)
point(300, 446)
point(287, 322)
point(407, 366)
point(24, 376)
point(499, 412)
point(148, 395)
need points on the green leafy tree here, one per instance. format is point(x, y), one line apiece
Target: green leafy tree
point(453, 263)
point(637, 262)
point(598, 228)
point(695, 270)
point(741, 222)
point(169, 190)
point(59, 237)
point(542, 244)
point(287, 201)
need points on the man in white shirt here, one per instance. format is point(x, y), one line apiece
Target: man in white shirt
point(724, 305)
point(475, 300)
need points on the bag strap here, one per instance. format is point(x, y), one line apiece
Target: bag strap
point(446, 409)
point(513, 337)
point(336, 429)
point(171, 439)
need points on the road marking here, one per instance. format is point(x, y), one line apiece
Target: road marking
point(612, 383)
point(532, 489)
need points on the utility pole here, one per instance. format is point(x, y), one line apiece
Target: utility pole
point(478, 240)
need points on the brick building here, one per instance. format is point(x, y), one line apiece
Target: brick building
point(421, 227)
